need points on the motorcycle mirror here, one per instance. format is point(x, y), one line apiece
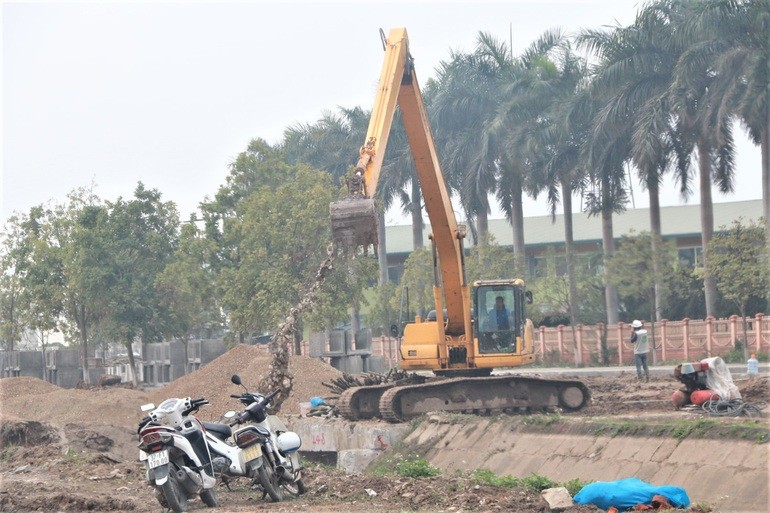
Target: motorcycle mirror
point(229, 414)
point(147, 407)
point(236, 379)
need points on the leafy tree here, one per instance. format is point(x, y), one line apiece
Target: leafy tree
point(551, 292)
point(80, 234)
point(280, 233)
point(40, 275)
point(140, 239)
point(12, 255)
point(489, 261)
point(739, 267)
point(384, 308)
point(187, 287)
point(632, 269)
point(341, 290)
point(551, 296)
point(418, 279)
point(685, 297)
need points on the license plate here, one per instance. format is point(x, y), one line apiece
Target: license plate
point(156, 459)
point(252, 453)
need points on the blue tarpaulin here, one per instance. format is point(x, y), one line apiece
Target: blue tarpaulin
point(627, 493)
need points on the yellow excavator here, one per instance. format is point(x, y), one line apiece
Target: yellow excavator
point(463, 342)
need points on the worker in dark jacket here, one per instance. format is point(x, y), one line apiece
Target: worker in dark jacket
point(641, 348)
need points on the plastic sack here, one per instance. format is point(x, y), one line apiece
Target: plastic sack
point(720, 380)
point(627, 493)
point(316, 401)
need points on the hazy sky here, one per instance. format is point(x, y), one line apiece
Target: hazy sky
point(168, 94)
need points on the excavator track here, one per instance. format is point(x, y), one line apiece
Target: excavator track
point(360, 403)
point(483, 395)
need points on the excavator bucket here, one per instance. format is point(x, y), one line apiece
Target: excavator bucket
point(354, 223)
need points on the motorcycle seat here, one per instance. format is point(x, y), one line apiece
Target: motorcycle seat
point(221, 431)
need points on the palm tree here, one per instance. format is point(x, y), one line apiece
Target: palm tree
point(695, 107)
point(634, 75)
point(731, 41)
point(464, 107)
point(531, 93)
point(555, 147)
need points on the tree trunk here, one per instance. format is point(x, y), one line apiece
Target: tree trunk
point(653, 188)
point(83, 326)
point(707, 224)
point(132, 362)
point(608, 246)
point(742, 309)
point(566, 192)
point(278, 376)
point(765, 146)
point(482, 223)
point(517, 222)
point(416, 212)
point(382, 255)
point(355, 320)
point(298, 335)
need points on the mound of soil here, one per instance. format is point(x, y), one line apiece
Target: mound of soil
point(251, 364)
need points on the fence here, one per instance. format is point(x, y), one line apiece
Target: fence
point(685, 340)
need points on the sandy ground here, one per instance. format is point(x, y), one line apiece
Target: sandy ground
point(75, 449)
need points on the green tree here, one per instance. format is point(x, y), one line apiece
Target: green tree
point(489, 261)
point(140, 239)
point(80, 231)
point(12, 255)
point(282, 232)
point(739, 267)
point(342, 290)
point(41, 275)
point(418, 278)
point(729, 41)
point(187, 287)
point(633, 271)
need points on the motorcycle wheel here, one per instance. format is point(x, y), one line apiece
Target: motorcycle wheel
point(209, 498)
point(296, 488)
point(270, 482)
point(175, 496)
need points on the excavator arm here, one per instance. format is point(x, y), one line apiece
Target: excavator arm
point(354, 218)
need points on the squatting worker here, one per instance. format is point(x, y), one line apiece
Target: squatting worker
point(641, 348)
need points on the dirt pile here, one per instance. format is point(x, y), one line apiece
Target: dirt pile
point(213, 381)
point(34, 399)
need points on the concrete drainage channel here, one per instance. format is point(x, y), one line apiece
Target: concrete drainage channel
point(728, 475)
point(349, 445)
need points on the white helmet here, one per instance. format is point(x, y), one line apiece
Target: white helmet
point(636, 324)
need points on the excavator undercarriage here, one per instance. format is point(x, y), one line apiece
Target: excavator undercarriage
point(480, 395)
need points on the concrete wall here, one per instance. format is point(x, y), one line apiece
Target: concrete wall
point(356, 444)
point(729, 475)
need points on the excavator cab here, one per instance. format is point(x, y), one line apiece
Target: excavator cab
point(499, 308)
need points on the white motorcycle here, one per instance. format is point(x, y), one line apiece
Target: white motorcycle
point(263, 449)
point(173, 446)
